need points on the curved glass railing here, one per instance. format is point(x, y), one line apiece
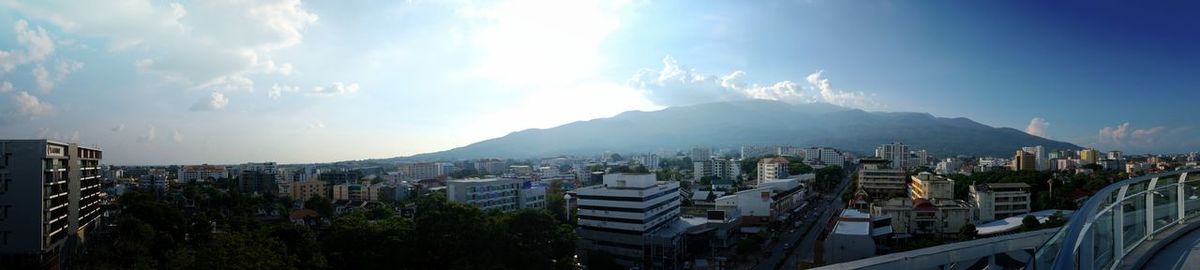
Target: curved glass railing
point(1119, 217)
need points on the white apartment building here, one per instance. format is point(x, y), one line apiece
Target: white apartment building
point(717, 167)
point(419, 171)
point(896, 152)
point(505, 194)
point(1041, 163)
point(201, 173)
point(629, 216)
point(1000, 200)
point(771, 169)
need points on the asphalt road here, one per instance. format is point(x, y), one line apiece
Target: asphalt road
point(816, 216)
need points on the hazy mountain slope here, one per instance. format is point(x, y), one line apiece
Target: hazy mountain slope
point(750, 122)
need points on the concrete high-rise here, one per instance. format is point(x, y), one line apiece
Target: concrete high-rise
point(49, 196)
point(1024, 161)
point(897, 153)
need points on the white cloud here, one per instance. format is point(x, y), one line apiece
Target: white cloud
point(1037, 127)
point(178, 137)
point(676, 85)
point(213, 45)
point(44, 82)
point(29, 105)
point(150, 135)
point(277, 90)
point(6, 87)
point(316, 125)
point(336, 89)
point(215, 101)
point(118, 128)
point(1115, 135)
point(37, 43)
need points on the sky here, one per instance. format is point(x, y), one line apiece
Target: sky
point(165, 82)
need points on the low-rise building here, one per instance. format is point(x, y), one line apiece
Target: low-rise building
point(303, 190)
point(350, 192)
point(505, 194)
point(926, 185)
point(1000, 200)
point(853, 237)
point(880, 181)
point(201, 173)
point(925, 216)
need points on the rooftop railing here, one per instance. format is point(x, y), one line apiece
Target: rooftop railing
point(1119, 218)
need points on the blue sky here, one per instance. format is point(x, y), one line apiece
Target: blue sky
point(232, 81)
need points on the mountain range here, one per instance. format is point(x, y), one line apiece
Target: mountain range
point(753, 122)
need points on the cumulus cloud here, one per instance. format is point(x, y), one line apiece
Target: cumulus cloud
point(36, 42)
point(213, 45)
point(215, 101)
point(30, 106)
point(676, 85)
point(6, 87)
point(278, 90)
point(336, 89)
point(149, 136)
point(1115, 134)
point(178, 137)
point(1037, 127)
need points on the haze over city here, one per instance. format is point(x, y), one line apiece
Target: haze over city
point(228, 82)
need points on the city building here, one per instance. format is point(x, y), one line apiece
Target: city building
point(924, 216)
point(896, 152)
point(1000, 200)
point(201, 173)
point(928, 186)
point(50, 199)
point(156, 182)
point(948, 166)
point(853, 236)
point(632, 218)
point(770, 201)
point(720, 168)
point(772, 168)
point(258, 181)
point(1041, 163)
point(505, 194)
point(1088, 156)
point(419, 171)
point(700, 153)
point(303, 190)
point(880, 181)
point(1024, 161)
point(350, 192)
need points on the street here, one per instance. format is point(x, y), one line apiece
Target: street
point(800, 241)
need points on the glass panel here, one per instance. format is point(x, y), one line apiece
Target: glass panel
point(1166, 180)
point(1102, 239)
point(1193, 176)
point(1134, 215)
point(1138, 186)
point(1049, 251)
point(1191, 198)
point(1165, 208)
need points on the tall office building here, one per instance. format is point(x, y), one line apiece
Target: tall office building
point(261, 178)
point(896, 152)
point(700, 153)
point(1041, 162)
point(49, 196)
point(1024, 161)
point(633, 218)
point(1088, 156)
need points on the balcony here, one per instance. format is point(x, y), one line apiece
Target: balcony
point(1124, 225)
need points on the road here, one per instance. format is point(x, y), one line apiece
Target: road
point(816, 216)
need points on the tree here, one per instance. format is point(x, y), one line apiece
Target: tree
point(1030, 223)
point(320, 204)
point(798, 167)
point(968, 231)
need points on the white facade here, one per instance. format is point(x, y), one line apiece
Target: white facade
point(201, 173)
point(505, 194)
point(897, 153)
point(627, 216)
point(1000, 200)
point(927, 186)
point(771, 169)
point(1041, 163)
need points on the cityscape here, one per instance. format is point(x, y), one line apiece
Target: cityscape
point(289, 134)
